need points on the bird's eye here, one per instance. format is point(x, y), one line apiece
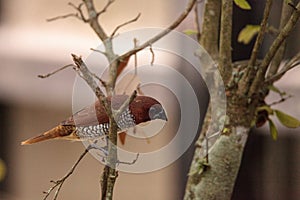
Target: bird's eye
point(157, 112)
point(152, 112)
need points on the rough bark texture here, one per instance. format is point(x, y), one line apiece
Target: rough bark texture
point(225, 67)
point(210, 27)
point(215, 179)
point(218, 178)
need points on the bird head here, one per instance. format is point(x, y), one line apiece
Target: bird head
point(157, 112)
point(145, 108)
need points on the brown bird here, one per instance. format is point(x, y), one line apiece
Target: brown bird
point(92, 122)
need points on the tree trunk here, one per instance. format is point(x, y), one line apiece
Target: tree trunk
point(213, 177)
point(216, 181)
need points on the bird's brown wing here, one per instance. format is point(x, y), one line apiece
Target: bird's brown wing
point(88, 116)
point(94, 114)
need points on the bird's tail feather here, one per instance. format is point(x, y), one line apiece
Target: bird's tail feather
point(57, 132)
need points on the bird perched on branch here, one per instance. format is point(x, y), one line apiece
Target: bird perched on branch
point(92, 122)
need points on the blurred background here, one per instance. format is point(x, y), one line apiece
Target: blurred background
point(29, 106)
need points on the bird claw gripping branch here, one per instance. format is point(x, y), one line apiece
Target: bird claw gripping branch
point(92, 122)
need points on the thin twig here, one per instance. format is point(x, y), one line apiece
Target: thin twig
point(272, 30)
point(79, 10)
point(139, 90)
point(197, 21)
point(135, 41)
point(117, 113)
point(152, 40)
point(294, 62)
point(124, 24)
point(153, 56)
point(280, 101)
point(292, 5)
point(130, 163)
point(56, 71)
point(79, 15)
point(61, 181)
point(109, 2)
point(129, 83)
point(64, 17)
point(98, 51)
point(99, 79)
point(285, 15)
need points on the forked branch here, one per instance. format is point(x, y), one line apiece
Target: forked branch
point(294, 62)
point(59, 183)
point(167, 30)
point(124, 24)
point(284, 33)
point(84, 72)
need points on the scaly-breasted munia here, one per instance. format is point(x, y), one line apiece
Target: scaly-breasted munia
point(92, 122)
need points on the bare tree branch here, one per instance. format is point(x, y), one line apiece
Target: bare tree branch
point(197, 21)
point(120, 110)
point(252, 68)
point(261, 34)
point(135, 41)
point(64, 17)
point(85, 73)
point(130, 163)
point(124, 24)
point(210, 27)
point(294, 62)
point(285, 15)
point(98, 51)
point(56, 71)
point(79, 15)
point(152, 56)
point(225, 59)
point(79, 10)
point(280, 100)
point(109, 2)
point(182, 16)
point(93, 18)
point(273, 49)
point(59, 183)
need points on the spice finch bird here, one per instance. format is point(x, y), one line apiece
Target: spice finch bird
point(92, 122)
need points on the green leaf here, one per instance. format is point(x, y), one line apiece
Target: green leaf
point(226, 131)
point(287, 120)
point(266, 108)
point(243, 4)
point(247, 33)
point(190, 32)
point(273, 130)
